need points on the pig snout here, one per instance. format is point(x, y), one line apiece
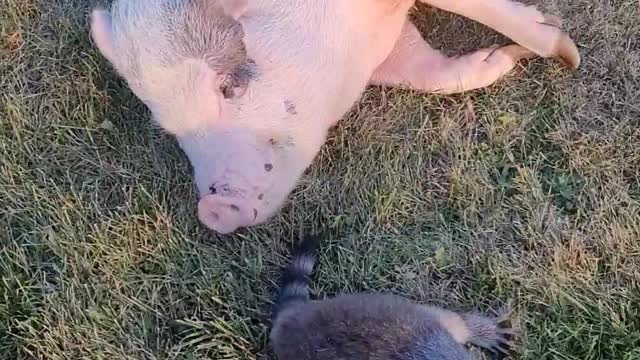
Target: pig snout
point(225, 214)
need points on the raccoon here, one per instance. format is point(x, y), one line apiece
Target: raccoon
point(371, 326)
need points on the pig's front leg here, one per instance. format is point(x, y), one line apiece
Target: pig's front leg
point(523, 24)
point(414, 64)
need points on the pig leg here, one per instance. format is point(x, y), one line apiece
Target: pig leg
point(414, 64)
point(523, 24)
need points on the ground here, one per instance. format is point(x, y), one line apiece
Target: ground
point(524, 195)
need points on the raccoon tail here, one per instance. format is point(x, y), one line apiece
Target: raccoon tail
point(294, 284)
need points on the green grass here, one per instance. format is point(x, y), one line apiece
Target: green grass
point(525, 194)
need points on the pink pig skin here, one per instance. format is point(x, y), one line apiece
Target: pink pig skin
point(251, 88)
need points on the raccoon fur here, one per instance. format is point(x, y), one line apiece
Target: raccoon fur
point(371, 326)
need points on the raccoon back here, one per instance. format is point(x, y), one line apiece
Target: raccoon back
point(362, 326)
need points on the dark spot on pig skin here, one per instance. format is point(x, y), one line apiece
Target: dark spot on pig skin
point(290, 107)
point(261, 196)
point(250, 69)
point(213, 189)
point(255, 214)
point(244, 73)
point(268, 167)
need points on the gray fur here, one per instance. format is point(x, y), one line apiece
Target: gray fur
point(373, 326)
point(295, 280)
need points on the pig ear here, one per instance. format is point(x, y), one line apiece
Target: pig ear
point(102, 32)
point(235, 8)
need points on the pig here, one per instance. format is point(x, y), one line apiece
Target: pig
point(250, 88)
point(372, 325)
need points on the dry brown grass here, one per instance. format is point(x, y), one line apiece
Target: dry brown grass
point(525, 193)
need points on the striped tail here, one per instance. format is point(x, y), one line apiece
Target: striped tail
point(294, 284)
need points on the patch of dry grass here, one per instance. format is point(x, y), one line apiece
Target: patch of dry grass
point(526, 193)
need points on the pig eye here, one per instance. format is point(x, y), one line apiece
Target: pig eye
point(226, 88)
point(227, 91)
point(233, 86)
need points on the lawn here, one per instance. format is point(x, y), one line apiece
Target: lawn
point(524, 194)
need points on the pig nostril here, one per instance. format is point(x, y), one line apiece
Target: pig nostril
point(260, 197)
point(268, 167)
point(214, 216)
point(255, 214)
point(234, 208)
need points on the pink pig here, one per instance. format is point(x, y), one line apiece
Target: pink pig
point(250, 88)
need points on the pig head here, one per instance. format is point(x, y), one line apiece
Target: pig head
point(236, 120)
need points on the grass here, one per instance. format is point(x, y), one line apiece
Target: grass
point(525, 194)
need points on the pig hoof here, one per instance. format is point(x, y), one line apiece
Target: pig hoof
point(564, 48)
point(567, 52)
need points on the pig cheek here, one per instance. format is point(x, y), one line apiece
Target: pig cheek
point(269, 201)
